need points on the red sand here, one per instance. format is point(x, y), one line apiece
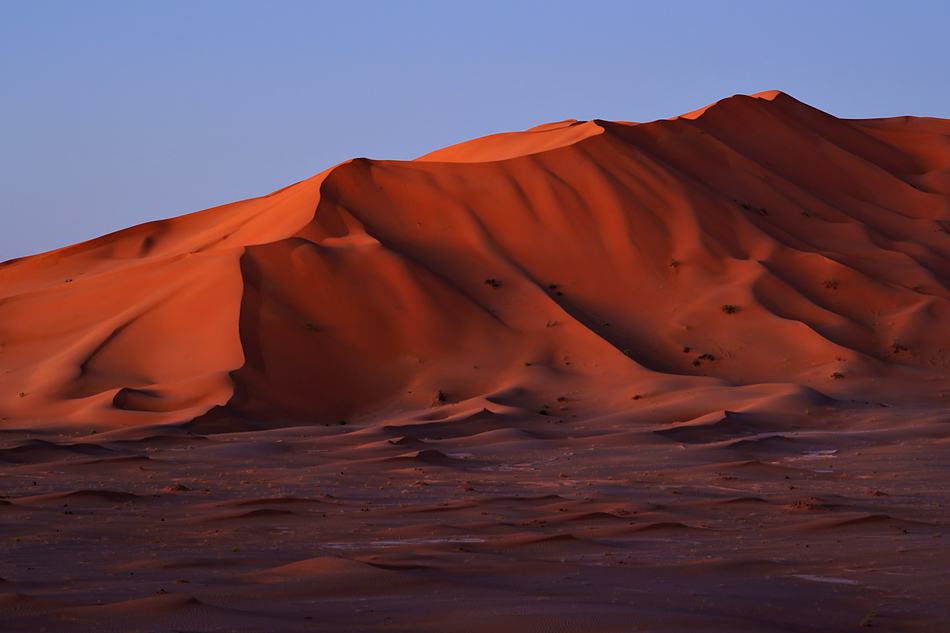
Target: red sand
point(682, 375)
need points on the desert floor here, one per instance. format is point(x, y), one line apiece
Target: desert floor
point(470, 523)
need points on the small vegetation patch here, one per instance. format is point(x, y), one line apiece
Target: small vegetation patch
point(830, 284)
point(897, 346)
point(492, 282)
point(869, 618)
point(837, 375)
point(754, 209)
point(806, 506)
point(729, 308)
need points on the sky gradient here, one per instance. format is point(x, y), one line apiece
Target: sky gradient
point(117, 113)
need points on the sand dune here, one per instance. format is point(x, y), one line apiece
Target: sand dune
point(595, 376)
point(364, 288)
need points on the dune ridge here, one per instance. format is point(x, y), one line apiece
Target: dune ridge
point(756, 241)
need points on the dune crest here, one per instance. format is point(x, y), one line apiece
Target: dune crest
point(538, 139)
point(757, 240)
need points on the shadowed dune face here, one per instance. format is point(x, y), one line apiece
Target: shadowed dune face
point(756, 241)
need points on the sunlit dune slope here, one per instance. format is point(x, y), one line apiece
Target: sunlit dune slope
point(139, 326)
point(756, 241)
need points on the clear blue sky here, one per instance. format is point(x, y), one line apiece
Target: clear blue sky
point(116, 113)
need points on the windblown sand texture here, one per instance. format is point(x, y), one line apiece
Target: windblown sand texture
point(596, 376)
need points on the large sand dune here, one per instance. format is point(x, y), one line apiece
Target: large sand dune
point(534, 336)
point(340, 295)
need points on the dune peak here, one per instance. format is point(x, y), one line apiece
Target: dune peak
point(768, 95)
